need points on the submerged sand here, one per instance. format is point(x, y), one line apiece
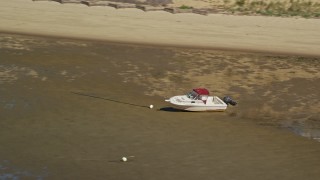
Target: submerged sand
point(285, 35)
point(72, 109)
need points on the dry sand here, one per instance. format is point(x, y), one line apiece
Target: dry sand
point(273, 34)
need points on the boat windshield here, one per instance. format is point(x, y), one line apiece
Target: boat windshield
point(192, 95)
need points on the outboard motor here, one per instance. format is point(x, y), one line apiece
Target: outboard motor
point(228, 101)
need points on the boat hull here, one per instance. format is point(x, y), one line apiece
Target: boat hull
point(199, 109)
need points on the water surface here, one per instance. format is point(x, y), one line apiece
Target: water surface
point(71, 109)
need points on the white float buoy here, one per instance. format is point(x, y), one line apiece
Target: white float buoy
point(151, 106)
point(124, 159)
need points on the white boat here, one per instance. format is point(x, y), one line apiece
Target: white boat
point(199, 100)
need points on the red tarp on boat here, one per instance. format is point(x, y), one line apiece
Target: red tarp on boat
point(201, 91)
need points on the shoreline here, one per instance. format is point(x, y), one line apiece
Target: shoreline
point(131, 26)
point(231, 50)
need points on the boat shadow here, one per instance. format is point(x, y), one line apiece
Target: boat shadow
point(171, 109)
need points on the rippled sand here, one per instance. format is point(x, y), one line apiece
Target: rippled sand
point(71, 109)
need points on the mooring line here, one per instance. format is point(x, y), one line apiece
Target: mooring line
point(112, 100)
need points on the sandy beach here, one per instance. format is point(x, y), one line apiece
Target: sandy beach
point(251, 33)
point(72, 108)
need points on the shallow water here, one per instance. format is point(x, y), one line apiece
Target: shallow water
point(71, 109)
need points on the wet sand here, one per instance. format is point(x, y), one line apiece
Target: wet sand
point(48, 130)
